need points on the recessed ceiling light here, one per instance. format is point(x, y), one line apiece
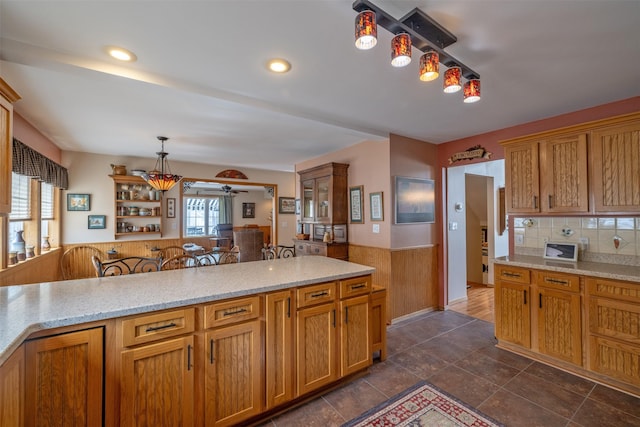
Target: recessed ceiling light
point(279, 65)
point(121, 54)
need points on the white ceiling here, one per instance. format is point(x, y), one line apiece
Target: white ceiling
point(200, 78)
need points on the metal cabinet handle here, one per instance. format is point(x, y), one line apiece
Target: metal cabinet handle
point(211, 359)
point(334, 317)
point(158, 328)
point(509, 274)
point(550, 201)
point(525, 297)
point(289, 307)
point(535, 202)
point(556, 281)
point(361, 285)
point(189, 357)
point(320, 294)
point(540, 298)
point(231, 313)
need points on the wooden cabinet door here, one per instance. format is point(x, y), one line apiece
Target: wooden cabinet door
point(7, 97)
point(521, 178)
point(513, 313)
point(559, 328)
point(12, 391)
point(616, 168)
point(316, 350)
point(157, 384)
point(323, 200)
point(308, 200)
point(279, 367)
point(355, 344)
point(233, 374)
point(64, 379)
point(563, 174)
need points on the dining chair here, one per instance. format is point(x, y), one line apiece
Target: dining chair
point(75, 263)
point(171, 251)
point(127, 265)
point(178, 262)
point(230, 257)
point(279, 251)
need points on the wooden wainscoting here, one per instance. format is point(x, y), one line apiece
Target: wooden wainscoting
point(43, 268)
point(410, 276)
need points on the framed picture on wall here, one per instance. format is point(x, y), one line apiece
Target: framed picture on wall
point(171, 207)
point(414, 200)
point(248, 210)
point(376, 209)
point(286, 205)
point(97, 221)
point(78, 202)
point(356, 206)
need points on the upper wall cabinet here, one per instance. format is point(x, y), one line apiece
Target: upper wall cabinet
point(593, 167)
point(547, 175)
point(615, 153)
point(324, 194)
point(7, 98)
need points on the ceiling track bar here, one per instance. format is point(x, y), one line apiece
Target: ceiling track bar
point(408, 25)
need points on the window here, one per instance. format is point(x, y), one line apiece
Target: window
point(201, 215)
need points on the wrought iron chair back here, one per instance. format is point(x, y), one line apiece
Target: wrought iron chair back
point(230, 257)
point(279, 251)
point(127, 265)
point(178, 262)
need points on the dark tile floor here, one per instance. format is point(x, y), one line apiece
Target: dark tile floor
point(457, 353)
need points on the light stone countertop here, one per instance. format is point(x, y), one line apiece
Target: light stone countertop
point(628, 273)
point(25, 309)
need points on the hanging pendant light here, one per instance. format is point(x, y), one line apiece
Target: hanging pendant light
point(161, 179)
point(401, 50)
point(452, 80)
point(366, 30)
point(429, 66)
point(472, 91)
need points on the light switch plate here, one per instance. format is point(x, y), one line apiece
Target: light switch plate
point(376, 228)
point(453, 225)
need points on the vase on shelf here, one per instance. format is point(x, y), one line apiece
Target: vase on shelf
point(45, 243)
point(17, 245)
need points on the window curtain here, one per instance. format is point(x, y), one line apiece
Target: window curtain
point(28, 162)
point(226, 210)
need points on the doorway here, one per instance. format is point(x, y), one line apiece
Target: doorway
point(473, 240)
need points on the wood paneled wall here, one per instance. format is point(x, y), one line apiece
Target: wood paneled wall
point(409, 275)
point(44, 268)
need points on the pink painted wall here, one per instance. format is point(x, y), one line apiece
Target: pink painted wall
point(490, 140)
point(416, 159)
point(369, 167)
point(30, 136)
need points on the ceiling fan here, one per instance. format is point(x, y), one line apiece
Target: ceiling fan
point(228, 190)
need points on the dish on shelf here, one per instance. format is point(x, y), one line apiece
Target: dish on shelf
point(138, 172)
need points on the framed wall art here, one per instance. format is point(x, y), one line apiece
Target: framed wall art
point(376, 206)
point(248, 210)
point(171, 207)
point(286, 205)
point(356, 205)
point(414, 200)
point(97, 221)
point(78, 202)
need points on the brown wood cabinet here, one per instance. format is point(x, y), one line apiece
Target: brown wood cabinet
point(64, 379)
point(279, 347)
point(136, 207)
point(12, 389)
point(7, 97)
point(157, 368)
point(614, 333)
point(378, 331)
point(324, 194)
point(233, 370)
point(355, 341)
point(615, 166)
point(319, 248)
point(558, 316)
point(513, 305)
point(547, 174)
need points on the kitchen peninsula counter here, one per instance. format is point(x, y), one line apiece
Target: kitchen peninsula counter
point(628, 273)
point(26, 309)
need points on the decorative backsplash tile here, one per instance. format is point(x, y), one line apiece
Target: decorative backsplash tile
point(610, 239)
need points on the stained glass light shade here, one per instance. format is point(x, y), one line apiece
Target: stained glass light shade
point(451, 81)
point(401, 50)
point(472, 91)
point(161, 178)
point(429, 66)
point(366, 30)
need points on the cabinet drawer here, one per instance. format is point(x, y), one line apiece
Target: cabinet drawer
point(615, 289)
point(513, 274)
point(316, 294)
point(616, 319)
point(355, 286)
point(157, 326)
point(563, 281)
point(231, 311)
point(320, 250)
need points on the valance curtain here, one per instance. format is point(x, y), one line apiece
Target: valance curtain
point(28, 162)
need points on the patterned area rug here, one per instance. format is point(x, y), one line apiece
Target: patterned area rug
point(423, 405)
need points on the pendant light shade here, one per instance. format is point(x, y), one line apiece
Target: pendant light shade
point(429, 66)
point(161, 178)
point(401, 50)
point(452, 80)
point(366, 30)
point(472, 91)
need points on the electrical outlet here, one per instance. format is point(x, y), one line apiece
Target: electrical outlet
point(376, 228)
point(584, 240)
point(519, 239)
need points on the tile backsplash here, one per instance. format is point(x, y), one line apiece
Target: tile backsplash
point(613, 240)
